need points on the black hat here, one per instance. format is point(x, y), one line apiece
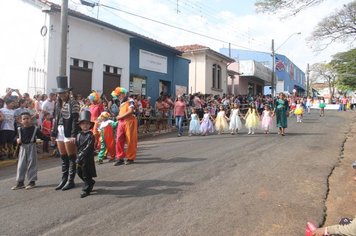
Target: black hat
point(85, 116)
point(62, 84)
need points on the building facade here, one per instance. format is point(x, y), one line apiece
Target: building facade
point(289, 78)
point(208, 72)
point(100, 56)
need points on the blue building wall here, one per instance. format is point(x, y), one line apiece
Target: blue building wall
point(177, 68)
point(286, 70)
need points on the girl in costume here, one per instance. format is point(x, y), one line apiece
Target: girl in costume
point(299, 111)
point(252, 118)
point(65, 130)
point(206, 125)
point(322, 106)
point(194, 125)
point(266, 123)
point(107, 143)
point(221, 124)
point(235, 121)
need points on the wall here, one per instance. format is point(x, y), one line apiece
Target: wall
point(177, 68)
point(89, 42)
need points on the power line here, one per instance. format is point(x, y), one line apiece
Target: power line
point(170, 25)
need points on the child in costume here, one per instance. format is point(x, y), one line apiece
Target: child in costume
point(235, 121)
point(221, 119)
point(322, 106)
point(194, 125)
point(96, 108)
point(27, 163)
point(252, 118)
point(107, 138)
point(206, 125)
point(299, 111)
point(266, 123)
point(85, 146)
point(126, 128)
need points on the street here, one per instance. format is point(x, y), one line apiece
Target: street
point(214, 185)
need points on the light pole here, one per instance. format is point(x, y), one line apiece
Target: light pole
point(308, 71)
point(273, 79)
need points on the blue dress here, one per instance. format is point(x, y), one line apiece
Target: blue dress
point(194, 126)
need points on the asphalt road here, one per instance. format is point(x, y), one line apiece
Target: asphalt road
point(214, 185)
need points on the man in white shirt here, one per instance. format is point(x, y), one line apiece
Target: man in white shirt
point(48, 105)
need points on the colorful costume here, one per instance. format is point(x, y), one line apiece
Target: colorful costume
point(252, 119)
point(194, 125)
point(221, 124)
point(207, 125)
point(96, 109)
point(266, 123)
point(235, 121)
point(126, 129)
point(107, 138)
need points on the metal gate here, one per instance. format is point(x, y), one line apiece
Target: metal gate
point(36, 80)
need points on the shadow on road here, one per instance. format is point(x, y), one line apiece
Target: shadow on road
point(150, 160)
point(138, 188)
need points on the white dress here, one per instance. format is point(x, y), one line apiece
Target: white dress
point(235, 121)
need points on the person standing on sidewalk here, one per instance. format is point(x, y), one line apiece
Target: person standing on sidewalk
point(126, 128)
point(179, 112)
point(65, 130)
point(27, 163)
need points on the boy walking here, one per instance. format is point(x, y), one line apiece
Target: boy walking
point(85, 161)
point(27, 163)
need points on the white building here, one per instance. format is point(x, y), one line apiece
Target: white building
point(207, 69)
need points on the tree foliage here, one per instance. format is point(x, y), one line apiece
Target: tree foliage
point(325, 73)
point(344, 63)
point(292, 6)
point(338, 27)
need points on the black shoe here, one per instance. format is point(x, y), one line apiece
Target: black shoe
point(100, 162)
point(90, 189)
point(119, 162)
point(31, 185)
point(19, 185)
point(69, 185)
point(129, 162)
point(84, 194)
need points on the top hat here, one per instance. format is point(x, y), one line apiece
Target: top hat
point(62, 84)
point(85, 116)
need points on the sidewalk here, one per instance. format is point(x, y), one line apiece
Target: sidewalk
point(341, 199)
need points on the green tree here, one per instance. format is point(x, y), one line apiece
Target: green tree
point(344, 64)
point(325, 73)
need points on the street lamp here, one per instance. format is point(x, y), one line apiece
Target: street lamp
point(273, 81)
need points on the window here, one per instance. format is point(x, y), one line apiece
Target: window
point(216, 76)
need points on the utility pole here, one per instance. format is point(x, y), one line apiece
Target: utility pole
point(273, 71)
point(308, 80)
point(64, 32)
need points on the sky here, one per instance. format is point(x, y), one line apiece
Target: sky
point(216, 23)
point(223, 22)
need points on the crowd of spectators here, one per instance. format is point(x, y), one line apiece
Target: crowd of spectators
point(153, 116)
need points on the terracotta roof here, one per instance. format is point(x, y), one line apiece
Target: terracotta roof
point(192, 47)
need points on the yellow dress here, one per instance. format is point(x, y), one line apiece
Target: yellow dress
point(221, 124)
point(252, 119)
